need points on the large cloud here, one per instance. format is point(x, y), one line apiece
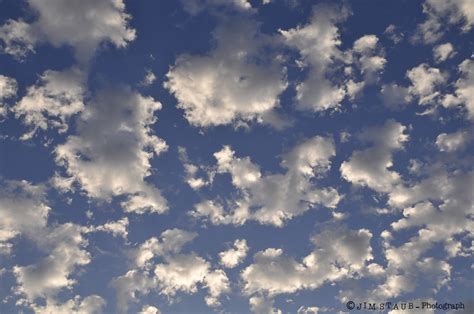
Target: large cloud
point(84, 25)
point(317, 43)
point(370, 167)
point(441, 13)
point(50, 103)
point(159, 265)
point(339, 253)
point(8, 88)
point(275, 198)
point(233, 83)
point(111, 153)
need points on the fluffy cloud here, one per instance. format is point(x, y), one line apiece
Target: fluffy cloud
point(52, 273)
point(464, 90)
point(442, 12)
point(111, 153)
point(424, 83)
point(234, 256)
point(50, 103)
point(194, 7)
point(60, 23)
point(149, 309)
point(89, 305)
point(229, 85)
point(395, 96)
point(159, 265)
point(23, 209)
point(275, 198)
point(195, 181)
point(453, 141)
point(443, 52)
point(317, 43)
point(370, 167)
point(339, 253)
point(8, 88)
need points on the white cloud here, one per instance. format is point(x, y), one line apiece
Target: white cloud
point(111, 153)
point(274, 198)
point(8, 88)
point(317, 43)
point(23, 209)
point(195, 7)
point(52, 273)
point(89, 305)
point(452, 141)
point(234, 256)
point(339, 253)
point(57, 96)
point(149, 309)
point(175, 272)
point(60, 23)
point(149, 78)
point(226, 86)
point(117, 228)
point(370, 167)
point(393, 34)
point(261, 305)
point(367, 55)
point(424, 83)
point(192, 178)
point(443, 52)
point(395, 96)
point(441, 13)
point(465, 88)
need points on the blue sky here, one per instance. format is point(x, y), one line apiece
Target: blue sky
point(235, 156)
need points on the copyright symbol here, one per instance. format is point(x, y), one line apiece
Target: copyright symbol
point(350, 305)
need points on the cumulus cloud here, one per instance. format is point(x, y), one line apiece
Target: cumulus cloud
point(93, 304)
point(8, 88)
point(111, 153)
point(443, 52)
point(464, 90)
point(395, 96)
point(234, 256)
point(195, 7)
point(370, 167)
point(52, 273)
point(117, 228)
point(149, 309)
point(317, 43)
point(56, 97)
point(233, 83)
point(339, 253)
point(453, 141)
point(441, 13)
point(425, 82)
point(23, 209)
point(275, 198)
point(193, 179)
point(160, 265)
point(60, 23)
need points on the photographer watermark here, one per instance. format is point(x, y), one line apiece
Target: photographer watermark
point(394, 306)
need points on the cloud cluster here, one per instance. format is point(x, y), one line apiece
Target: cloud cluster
point(273, 199)
point(110, 156)
point(57, 96)
point(339, 253)
point(234, 83)
point(84, 26)
point(159, 265)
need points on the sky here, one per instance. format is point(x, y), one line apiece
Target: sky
point(236, 156)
